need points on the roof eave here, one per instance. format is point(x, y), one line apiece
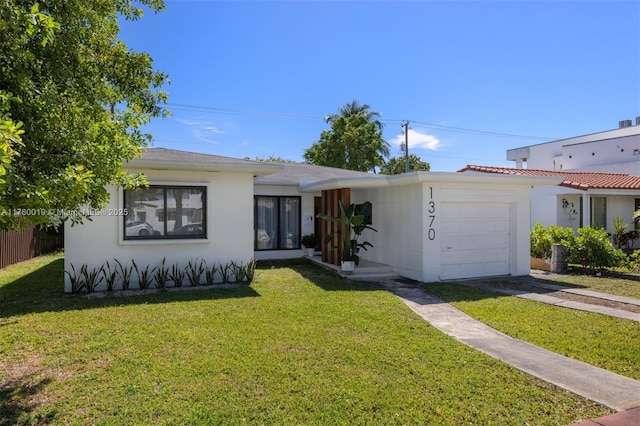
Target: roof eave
point(257, 170)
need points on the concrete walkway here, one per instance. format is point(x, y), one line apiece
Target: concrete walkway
point(612, 390)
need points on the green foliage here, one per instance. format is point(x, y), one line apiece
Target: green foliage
point(271, 159)
point(91, 277)
point(177, 275)
point(73, 101)
point(110, 275)
point(310, 240)
point(397, 165)
point(351, 224)
point(354, 142)
point(225, 272)
point(210, 273)
point(634, 261)
point(124, 274)
point(592, 248)
point(635, 218)
point(543, 238)
point(161, 275)
point(77, 284)
point(145, 276)
point(194, 270)
point(119, 274)
point(251, 270)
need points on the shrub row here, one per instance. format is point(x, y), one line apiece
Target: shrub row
point(119, 276)
point(591, 247)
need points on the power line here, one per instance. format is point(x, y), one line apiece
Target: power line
point(295, 116)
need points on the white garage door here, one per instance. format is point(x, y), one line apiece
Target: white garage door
point(474, 239)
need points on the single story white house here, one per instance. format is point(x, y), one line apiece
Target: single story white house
point(430, 226)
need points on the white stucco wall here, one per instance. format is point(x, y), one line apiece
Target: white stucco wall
point(307, 218)
point(616, 151)
point(402, 214)
point(229, 227)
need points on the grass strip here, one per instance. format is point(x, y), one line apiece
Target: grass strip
point(599, 340)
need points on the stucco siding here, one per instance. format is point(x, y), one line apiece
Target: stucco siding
point(229, 227)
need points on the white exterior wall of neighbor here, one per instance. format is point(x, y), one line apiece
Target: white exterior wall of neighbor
point(613, 151)
point(229, 227)
point(544, 198)
point(307, 218)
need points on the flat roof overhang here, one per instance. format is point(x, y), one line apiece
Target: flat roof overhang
point(424, 177)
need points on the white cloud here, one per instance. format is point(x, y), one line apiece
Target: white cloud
point(203, 130)
point(418, 140)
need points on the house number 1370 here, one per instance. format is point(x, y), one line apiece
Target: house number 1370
point(431, 209)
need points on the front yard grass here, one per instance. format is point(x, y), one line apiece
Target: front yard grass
point(603, 284)
point(600, 340)
point(300, 346)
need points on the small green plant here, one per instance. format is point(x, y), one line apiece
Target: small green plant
point(145, 276)
point(194, 271)
point(225, 272)
point(91, 277)
point(351, 224)
point(634, 261)
point(210, 273)
point(310, 240)
point(124, 272)
point(238, 271)
point(177, 275)
point(77, 283)
point(110, 275)
point(251, 270)
point(161, 275)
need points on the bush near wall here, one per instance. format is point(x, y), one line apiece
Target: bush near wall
point(117, 275)
point(591, 247)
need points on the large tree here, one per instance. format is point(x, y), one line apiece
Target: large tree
point(73, 98)
point(397, 165)
point(354, 142)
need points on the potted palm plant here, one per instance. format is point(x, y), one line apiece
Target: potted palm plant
point(310, 241)
point(351, 223)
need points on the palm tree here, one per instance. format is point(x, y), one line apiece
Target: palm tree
point(353, 109)
point(354, 142)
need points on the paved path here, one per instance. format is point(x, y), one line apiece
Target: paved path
point(607, 388)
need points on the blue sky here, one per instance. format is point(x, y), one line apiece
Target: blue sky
point(474, 78)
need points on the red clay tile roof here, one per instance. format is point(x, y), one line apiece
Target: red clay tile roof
point(578, 180)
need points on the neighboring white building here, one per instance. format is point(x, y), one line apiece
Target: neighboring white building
point(431, 226)
point(612, 151)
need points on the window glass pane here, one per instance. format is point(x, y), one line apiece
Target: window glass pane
point(165, 212)
point(184, 211)
point(599, 212)
point(266, 223)
point(289, 223)
point(144, 209)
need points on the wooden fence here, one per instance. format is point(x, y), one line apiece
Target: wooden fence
point(16, 246)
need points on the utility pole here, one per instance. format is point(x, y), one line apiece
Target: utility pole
point(405, 126)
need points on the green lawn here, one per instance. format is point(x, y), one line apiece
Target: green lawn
point(300, 346)
point(603, 284)
point(600, 340)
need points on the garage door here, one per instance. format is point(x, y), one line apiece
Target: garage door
point(474, 239)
